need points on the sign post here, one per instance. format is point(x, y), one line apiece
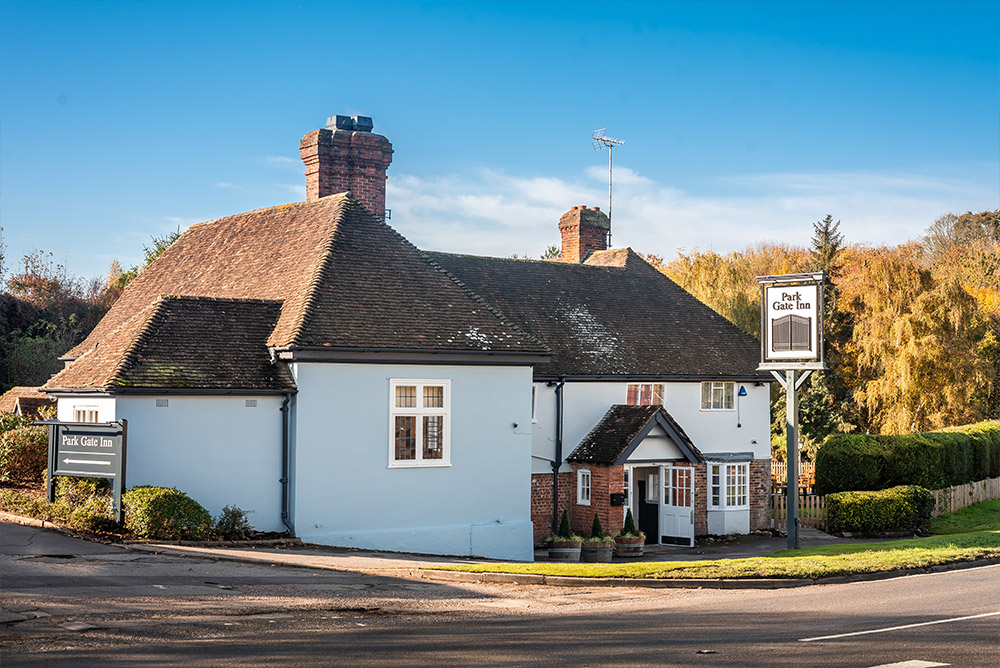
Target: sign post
point(88, 450)
point(791, 348)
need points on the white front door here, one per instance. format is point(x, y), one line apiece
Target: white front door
point(677, 505)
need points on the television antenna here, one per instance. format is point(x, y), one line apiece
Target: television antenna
point(601, 142)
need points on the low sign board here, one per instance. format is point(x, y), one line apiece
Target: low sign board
point(791, 321)
point(88, 450)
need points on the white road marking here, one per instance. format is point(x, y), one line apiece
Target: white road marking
point(912, 664)
point(897, 628)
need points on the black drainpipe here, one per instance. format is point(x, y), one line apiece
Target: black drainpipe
point(559, 443)
point(286, 467)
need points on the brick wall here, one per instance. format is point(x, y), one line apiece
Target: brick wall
point(541, 501)
point(760, 494)
point(341, 160)
point(701, 499)
point(603, 481)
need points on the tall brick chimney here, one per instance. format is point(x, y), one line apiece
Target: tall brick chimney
point(346, 155)
point(583, 232)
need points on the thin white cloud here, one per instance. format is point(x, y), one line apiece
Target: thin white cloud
point(283, 161)
point(495, 213)
point(294, 188)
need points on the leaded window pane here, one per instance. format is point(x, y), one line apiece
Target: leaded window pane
point(706, 395)
point(406, 437)
point(433, 396)
point(406, 396)
point(632, 399)
point(729, 394)
point(433, 433)
point(657, 395)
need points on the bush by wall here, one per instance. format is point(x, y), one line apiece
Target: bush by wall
point(933, 460)
point(902, 508)
point(24, 454)
point(165, 513)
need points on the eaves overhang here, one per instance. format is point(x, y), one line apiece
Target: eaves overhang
point(327, 354)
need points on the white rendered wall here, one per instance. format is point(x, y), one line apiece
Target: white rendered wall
point(585, 403)
point(213, 448)
point(67, 404)
point(346, 494)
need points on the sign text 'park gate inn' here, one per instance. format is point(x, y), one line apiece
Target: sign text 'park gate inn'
point(791, 332)
point(88, 450)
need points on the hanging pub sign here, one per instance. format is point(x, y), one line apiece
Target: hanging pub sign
point(88, 450)
point(791, 321)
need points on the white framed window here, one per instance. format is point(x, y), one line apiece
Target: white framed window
point(717, 396)
point(419, 423)
point(729, 486)
point(85, 414)
point(644, 394)
point(653, 488)
point(583, 487)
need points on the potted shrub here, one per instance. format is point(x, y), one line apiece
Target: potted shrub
point(563, 545)
point(598, 547)
point(629, 541)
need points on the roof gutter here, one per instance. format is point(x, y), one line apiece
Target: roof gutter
point(621, 378)
point(161, 391)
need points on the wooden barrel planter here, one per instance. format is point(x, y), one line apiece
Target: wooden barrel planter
point(596, 551)
point(564, 550)
point(629, 546)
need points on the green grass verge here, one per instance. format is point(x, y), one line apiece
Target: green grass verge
point(969, 534)
point(815, 562)
point(977, 517)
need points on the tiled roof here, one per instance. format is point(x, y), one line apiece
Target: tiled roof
point(186, 342)
point(343, 278)
point(613, 315)
point(620, 431)
point(24, 401)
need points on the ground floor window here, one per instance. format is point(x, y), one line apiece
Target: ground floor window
point(583, 487)
point(419, 414)
point(729, 485)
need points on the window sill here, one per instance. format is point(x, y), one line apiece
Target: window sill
point(421, 465)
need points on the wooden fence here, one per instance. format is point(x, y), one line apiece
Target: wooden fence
point(812, 509)
point(950, 499)
point(779, 475)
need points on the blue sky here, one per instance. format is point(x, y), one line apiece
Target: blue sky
point(744, 121)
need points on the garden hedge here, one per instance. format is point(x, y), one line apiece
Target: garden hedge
point(24, 454)
point(165, 513)
point(902, 508)
point(933, 460)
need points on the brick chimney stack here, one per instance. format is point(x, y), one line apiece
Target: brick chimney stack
point(583, 232)
point(346, 155)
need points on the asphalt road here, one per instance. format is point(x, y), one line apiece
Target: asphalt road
point(129, 608)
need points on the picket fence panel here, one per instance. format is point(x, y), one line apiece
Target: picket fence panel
point(812, 509)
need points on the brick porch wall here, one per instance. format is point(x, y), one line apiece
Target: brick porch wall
point(541, 501)
point(760, 494)
point(604, 480)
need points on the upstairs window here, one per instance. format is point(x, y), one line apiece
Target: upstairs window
point(645, 394)
point(420, 422)
point(716, 396)
point(85, 414)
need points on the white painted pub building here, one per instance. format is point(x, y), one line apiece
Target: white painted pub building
point(308, 364)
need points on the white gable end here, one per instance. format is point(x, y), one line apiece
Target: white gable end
point(657, 446)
